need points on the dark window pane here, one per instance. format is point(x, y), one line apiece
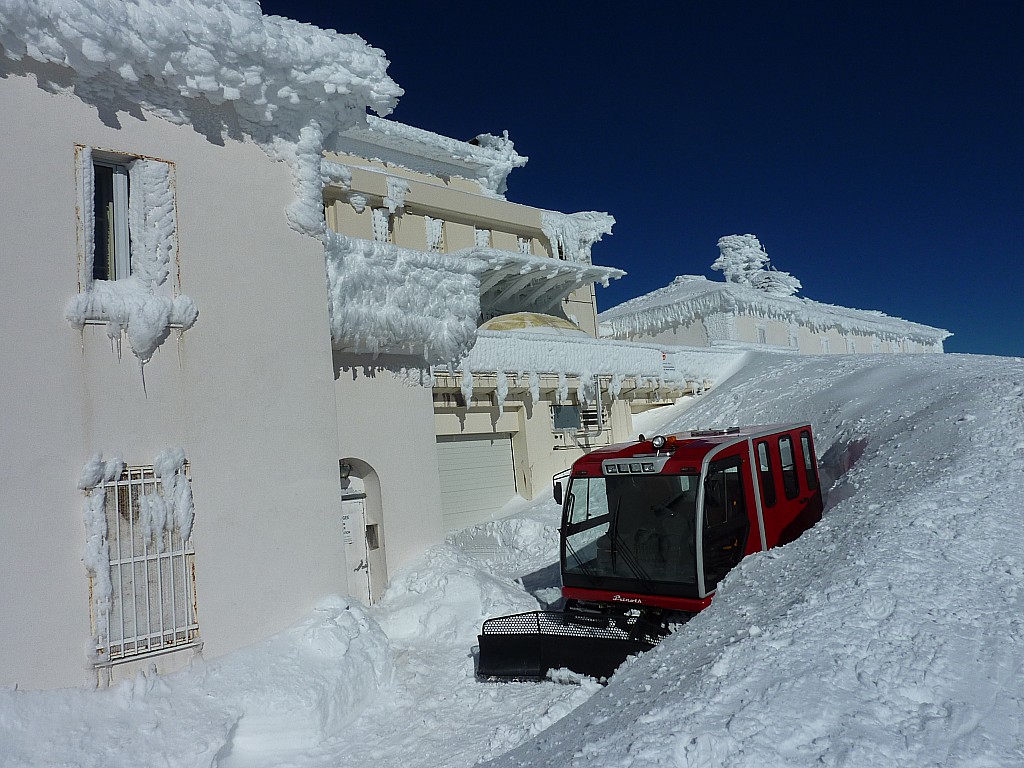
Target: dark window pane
point(765, 475)
point(103, 232)
point(790, 484)
point(810, 472)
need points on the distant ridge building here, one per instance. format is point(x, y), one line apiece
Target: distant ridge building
point(755, 307)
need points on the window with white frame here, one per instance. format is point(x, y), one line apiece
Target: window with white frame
point(876, 345)
point(111, 240)
point(762, 335)
point(128, 249)
point(794, 340)
point(851, 346)
point(482, 237)
point(143, 579)
point(825, 347)
point(525, 244)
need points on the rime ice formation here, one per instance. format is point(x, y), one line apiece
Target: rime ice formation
point(295, 90)
point(775, 283)
point(741, 257)
point(537, 351)
point(266, 66)
point(745, 262)
point(573, 234)
point(487, 159)
point(140, 306)
point(383, 297)
point(690, 298)
point(96, 554)
point(159, 513)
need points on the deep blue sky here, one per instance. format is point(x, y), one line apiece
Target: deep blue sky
point(875, 148)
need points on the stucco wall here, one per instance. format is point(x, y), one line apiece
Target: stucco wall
point(690, 335)
point(248, 392)
point(386, 420)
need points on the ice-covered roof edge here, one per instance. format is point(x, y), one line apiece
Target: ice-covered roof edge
point(487, 159)
point(501, 353)
point(277, 73)
point(691, 297)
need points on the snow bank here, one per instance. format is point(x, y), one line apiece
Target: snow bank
point(292, 691)
point(303, 685)
point(890, 633)
point(446, 596)
point(513, 546)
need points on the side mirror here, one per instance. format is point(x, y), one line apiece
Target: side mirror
point(556, 491)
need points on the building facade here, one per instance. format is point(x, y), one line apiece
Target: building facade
point(696, 311)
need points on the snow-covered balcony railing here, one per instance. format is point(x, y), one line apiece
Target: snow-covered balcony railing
point(502, 354)
point(511, 282)
point(384, 298)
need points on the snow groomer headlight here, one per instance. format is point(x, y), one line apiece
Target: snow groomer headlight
point(658, 442)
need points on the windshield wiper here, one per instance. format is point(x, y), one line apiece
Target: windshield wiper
point(579, 561)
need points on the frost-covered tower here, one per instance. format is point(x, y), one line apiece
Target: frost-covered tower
point(756, 308)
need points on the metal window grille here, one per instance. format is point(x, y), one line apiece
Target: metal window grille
point(153, 600)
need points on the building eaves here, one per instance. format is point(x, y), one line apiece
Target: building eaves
point(691, 298)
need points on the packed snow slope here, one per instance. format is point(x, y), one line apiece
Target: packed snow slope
point(892, 633)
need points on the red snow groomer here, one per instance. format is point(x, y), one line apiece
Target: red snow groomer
point(648, 531)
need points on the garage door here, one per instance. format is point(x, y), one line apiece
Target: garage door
point(477, 477)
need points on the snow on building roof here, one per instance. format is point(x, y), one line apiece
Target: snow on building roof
point(153, 52)
point(691, 297)
point(504, 352)
point(487, 159)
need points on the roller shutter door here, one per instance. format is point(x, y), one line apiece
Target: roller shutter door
point(477, 477)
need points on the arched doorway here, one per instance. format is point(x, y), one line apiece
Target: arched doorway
point(362, 530)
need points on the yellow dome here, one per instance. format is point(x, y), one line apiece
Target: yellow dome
point(533, 322)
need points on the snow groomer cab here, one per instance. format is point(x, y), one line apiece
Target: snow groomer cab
point(656, 524)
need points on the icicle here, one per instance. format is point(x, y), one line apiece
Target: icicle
point(467, 386)
point(534, 387)
point(502, 391)
point(563, 388)
point(616, 386)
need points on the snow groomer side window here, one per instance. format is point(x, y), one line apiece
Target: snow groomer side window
point(810, 472)
point(725, 520)
point(790, 484)
point(128, 250)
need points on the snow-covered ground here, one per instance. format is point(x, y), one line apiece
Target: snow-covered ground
point(890, 634)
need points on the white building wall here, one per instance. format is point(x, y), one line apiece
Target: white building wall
point(386, 420)
point(247, 392)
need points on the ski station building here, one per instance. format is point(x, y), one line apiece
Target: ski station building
point(262, 346)
point(755, 308)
